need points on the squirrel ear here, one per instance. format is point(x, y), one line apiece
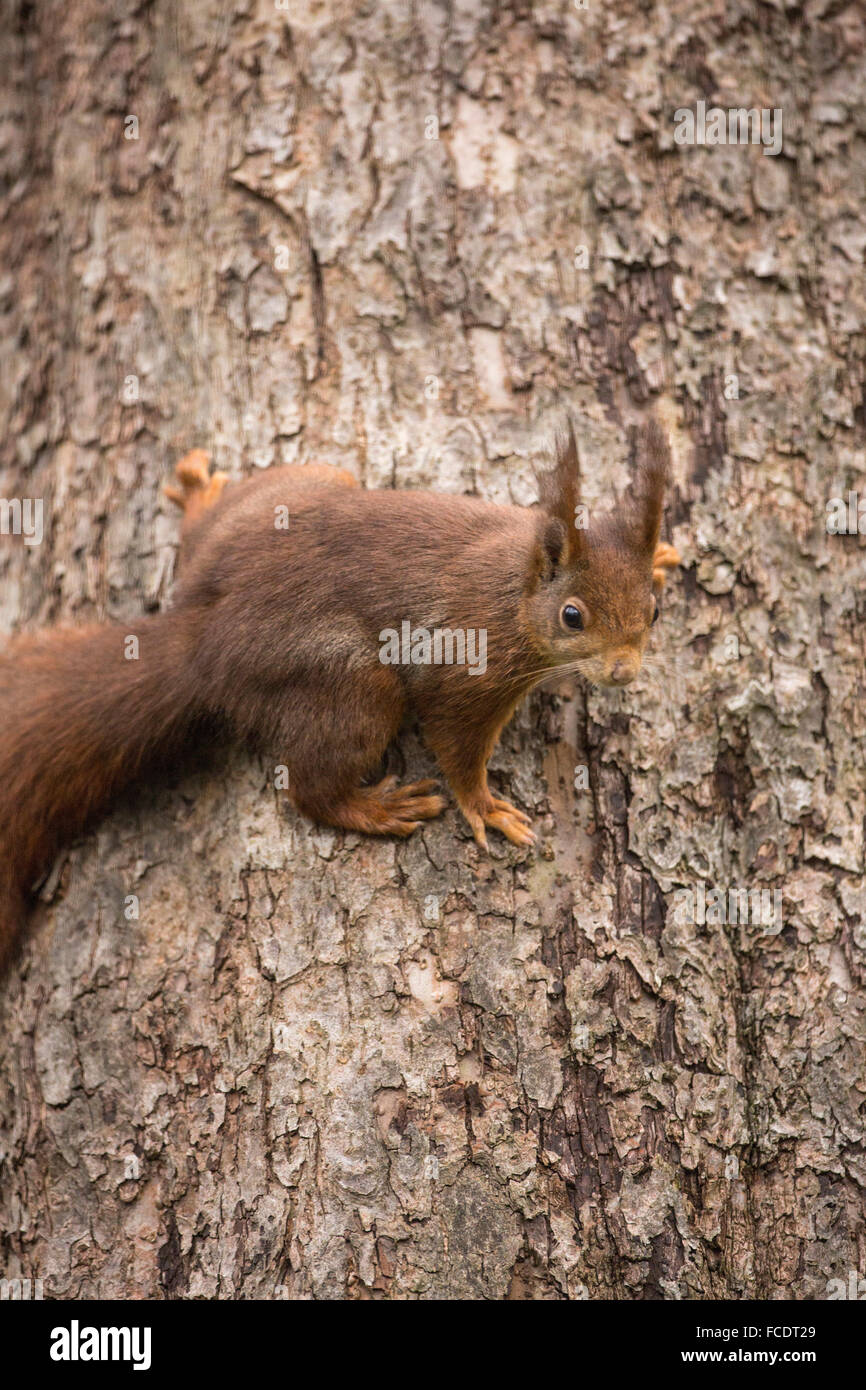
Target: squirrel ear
point(553, 539)
point(644, 514)
point(559, 490)
point(549, 546)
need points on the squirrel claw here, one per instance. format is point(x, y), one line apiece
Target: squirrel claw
point(476, 825)
point(501, 815)
point(511, 827)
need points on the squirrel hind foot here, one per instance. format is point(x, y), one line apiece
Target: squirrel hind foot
point(193, 470)
point(196, 489)
point(387, 809)
point(667, 557)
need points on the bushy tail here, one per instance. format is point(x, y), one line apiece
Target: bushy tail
point(82, 713)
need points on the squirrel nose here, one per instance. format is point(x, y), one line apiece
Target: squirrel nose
point(623, 671)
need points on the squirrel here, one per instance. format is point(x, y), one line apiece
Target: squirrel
point(277, 633)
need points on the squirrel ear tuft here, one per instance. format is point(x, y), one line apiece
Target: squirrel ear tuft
point(559, 491)
point(644, 515)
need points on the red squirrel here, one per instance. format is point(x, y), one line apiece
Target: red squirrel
point(290, 582)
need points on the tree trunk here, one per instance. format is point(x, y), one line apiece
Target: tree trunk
point(245, 1057)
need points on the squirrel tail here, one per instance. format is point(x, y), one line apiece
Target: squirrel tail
point(82, 713)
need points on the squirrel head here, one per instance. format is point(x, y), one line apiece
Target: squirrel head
point(592, 600)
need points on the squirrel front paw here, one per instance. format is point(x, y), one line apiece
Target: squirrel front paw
point(501, 815)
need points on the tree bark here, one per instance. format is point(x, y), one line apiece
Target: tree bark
point(316, 1065)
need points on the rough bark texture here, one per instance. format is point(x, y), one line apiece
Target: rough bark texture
point(322, 1066)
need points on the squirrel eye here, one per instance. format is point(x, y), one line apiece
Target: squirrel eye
point(572, 617)
point(656, 613)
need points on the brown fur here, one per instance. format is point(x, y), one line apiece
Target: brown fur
point(276, 633)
